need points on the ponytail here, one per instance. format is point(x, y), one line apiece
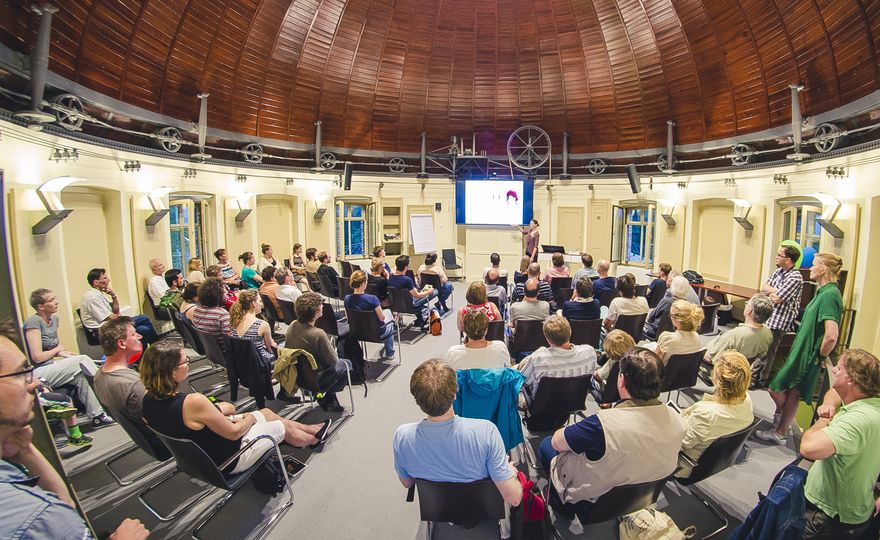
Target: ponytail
point(242, 305)
point(688, 316)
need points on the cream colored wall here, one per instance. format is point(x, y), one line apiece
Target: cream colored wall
point(669, 239)
point(276, 224)
point(747, 250)
point(712, 242)
point(148, 243)
point(866, 333)
point(240, 237)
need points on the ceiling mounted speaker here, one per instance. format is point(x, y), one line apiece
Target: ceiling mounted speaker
point(346, 177)
point(634, 183)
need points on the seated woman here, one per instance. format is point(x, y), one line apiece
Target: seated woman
point(360, 301)
point(478, 300)
point(686, 318)
point(726, 411)
point(190, 300)
point(195, 275)
point(246, 325)
point(521, 275)
point(617, 342)
point(582, 306)
point(677, 291)
point(431, 267)
point(626, 304)
point(378, 279)
point(214, 427)
point(210, 316)
point(557, 268)
point(250, 278)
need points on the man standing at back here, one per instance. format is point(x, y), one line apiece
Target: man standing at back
point(784, 288)
point(448, 448)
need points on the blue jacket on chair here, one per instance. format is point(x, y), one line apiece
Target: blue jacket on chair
point(491, 394)
point(779, 515)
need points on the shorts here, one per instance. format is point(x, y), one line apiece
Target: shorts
point(275, 428)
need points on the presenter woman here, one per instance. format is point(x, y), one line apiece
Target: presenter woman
point(816, 338)
point(533, 239)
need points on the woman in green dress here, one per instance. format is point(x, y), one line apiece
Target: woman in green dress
point(816, 338)
point(250, 278)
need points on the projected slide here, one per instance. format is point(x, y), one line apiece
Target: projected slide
point(494, 202)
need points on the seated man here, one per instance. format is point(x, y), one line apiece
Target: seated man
point(312, 262)
point(421, 299)
point(477, 352)
point(448, 448)
point(843, 443)
point(493, 289)
point(36, 501)
point(173, 297)
point(445, 290)
point(269, 287)
point(53, 363)
point(582, 306)
point(326, 269)
point(634, 442)
point(532, 308)
point(287, 290)
point(658, 283)
point(302, 334)
point(118, 386)
point(545, 293)
point(495, 261)
point(751, 339)
point(96, 309)
point(561, 359)
point(587, 271)
point(157, 285)
point(605, 282)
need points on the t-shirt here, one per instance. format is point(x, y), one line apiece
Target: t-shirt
point(454, 450)
point(214, 321)
point(556, 362)
point(48, 332)
point(581, 310)
point(247, 277)
point(751, 342)
point(586, 437)
point(604, 284)
point(157, 287)
point(288, 293)
point(843, 484)
point(269, 288)
point(555, 272)
point(433, 269)
point(263, 262)
point(362, 302)
point(311, 339)
point(678, 342)
point(401, 281)
point(94, 308)
point(626, 306)
point(227, 271)
point(584, 273)
point(529, 311)
point(121, 390)
point(196, 276)
point(494, 355)
point(312, 266)
point(707, 420)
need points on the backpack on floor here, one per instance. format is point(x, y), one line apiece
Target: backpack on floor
point(436, 323)
point(531, 519)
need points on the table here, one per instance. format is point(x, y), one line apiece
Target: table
point(725, 288)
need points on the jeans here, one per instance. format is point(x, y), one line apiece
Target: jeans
point(64, 371)
point(333, 378)
point(820, 526)
point(421, 306)
point(388, 336)
point(444, 292)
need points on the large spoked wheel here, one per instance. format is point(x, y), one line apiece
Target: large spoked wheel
point(68, 112)
point(528, 148)
point(328, 161)
point(168, 139)
point(252, 153)
point(827, 137)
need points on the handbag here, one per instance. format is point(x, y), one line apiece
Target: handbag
point(436, 323)
point(652, 524)
point(269, 477)
point(531, 519)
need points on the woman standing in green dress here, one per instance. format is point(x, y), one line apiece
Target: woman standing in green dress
point(816, 338)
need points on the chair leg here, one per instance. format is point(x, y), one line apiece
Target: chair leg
point(141, 474)
point(717, 513)
point(173, 515)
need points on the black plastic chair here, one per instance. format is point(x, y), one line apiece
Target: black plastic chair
point(193, 461)
point(309, 380)
point(346, 269)
point(681, 371)
point(558, 283)
point(497, 301)
point(344, 287)
point(402, 302)
point(556, 399)
point(457, 502)
point(609, 393)
point(657, 294)
point(330, 324)
point(529, 336)
point(433, 280)
point(605, 297)
point(641, 290)
point(620, 501)
point(314, 282)
point(289, 311)
point(710, 312)
point(158, 314)
point(586, 332)
point(269, 311)
point(632, 325)
point(718, 456)
point(327, 286)
point(245, 367)
point(364, 326)
point(664, 325)
point(93, 336)
point(450, 259)
point(495, 331)
point(502, 280)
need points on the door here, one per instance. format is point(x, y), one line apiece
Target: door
point(570, 228)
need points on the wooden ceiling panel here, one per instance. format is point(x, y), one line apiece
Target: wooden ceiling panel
point(378, 73)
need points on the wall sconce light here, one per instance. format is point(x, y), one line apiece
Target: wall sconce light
point(158, 204)
point(48, 193)
point(131, 166)
point(243, 210)
point(682, 185)
point(319, 212)
point(830, 207)
point(240, 178)
point(60, 154)
point(835, 171)
point(667, 209)
point(189, 173)
point(730, 182)
point(741, 209)
point(288, 182)
point(780, 179)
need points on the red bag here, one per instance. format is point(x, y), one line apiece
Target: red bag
point(532, 502)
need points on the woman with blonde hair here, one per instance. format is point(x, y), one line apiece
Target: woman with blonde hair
point(686, 318)
point(194, 267)
point(816, 338)
point(726, 411)
point(521, 275)
point(246, 325)
point(617, 342)
point(478, 300)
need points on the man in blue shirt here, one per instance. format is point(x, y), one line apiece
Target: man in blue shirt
point(445, 447)
point(36, 502)
point(399, 280)
point(605, 282)
point(583, 306)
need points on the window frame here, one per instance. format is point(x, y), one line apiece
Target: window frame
point(621, 221)
point(344, 219)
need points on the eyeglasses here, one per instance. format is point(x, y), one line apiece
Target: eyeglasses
point(28, 375)
point(185, 362)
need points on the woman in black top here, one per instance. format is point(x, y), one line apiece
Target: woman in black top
point(214, 427)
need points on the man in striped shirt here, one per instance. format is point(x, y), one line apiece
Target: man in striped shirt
point(561, 359)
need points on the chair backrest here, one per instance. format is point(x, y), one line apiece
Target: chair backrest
point(497, 301)
point(681, 370)
point(502, 281)
point(314, 282)
point(710, 311)
point(641, 290)
point(289, 311)
point(401, 301)
point(306, 377)
point(605, 297)
point(557, 283)
point(328, 322)
point(158, 314)
point(192, 460)
point(657, 294)
point(364, 325)
point(808, 292)
point(632, 325)
point(195, 341)
point(720, 454)
point(610, 394)
point(622, 500)
point(344, 287)
point(560, 395)
point(586, 332)
point(459, 502)
point(529, 336)
point(326, 286)
point(433, 280)
point(93, 337)
point(785, 344)
point(269, 310)
point(449, 259)
point(409, 273)
point(495, 332)
point(212, 347)
point(346, 269)
point(664, 324)
point(355, 268)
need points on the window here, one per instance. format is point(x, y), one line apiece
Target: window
point(187, 233)
point(355, 228)
point(632, 234)
point(799, 224)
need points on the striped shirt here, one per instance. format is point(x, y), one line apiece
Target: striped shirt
point(214, 321)
point(789, 285)
point(556, 362)
point(545, 293)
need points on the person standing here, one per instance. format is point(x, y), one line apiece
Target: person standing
point(816, 338)
point(533, 239)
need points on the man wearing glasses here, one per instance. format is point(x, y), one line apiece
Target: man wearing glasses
point(36, 502)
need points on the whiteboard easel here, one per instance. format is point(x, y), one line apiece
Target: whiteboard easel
point(421, 227)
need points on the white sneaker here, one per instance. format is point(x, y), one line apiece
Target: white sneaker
point(770, 435)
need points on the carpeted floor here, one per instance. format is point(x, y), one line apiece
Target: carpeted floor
point(350, 489)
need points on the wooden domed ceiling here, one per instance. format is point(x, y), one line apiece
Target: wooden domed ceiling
point(378, 73)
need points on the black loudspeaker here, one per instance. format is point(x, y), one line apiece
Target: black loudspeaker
point(346, 177)
point(437, 207)
point(634, 183)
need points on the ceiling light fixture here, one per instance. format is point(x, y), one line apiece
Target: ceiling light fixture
point(63, 154)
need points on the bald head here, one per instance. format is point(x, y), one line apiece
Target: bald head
point(534, 270)
point(531, 289)
point(156, 267)
point(602, 267)
point(492, 277)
